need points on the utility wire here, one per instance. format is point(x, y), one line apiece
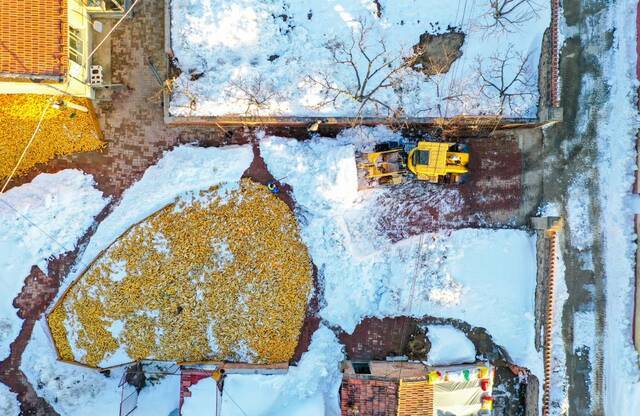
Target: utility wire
point(112, 29)
point(34, 224)
point(234, 402)
point(417, 269)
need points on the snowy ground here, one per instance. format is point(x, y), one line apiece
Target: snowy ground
point(53, 212)
point(617, 164)
point(78, 391)
point(449, 346)
point(70, 389)
point(293, 58)
point(64, 206)
point(484, 277)
point(8, 402)
point(311, 388)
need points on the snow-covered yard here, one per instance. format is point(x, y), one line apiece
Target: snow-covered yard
point(38, 220)
point(356, 57)
point(616, 168)
point(309, 389)
point(484, 277)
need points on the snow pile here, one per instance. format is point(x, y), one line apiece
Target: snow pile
point(311, 388)
point(182, 171)
point(73, 390)
point(578, 206)
point(293, 58)
point(202, 400)
point(616, 167)
point(8, 402)
point(484, 277)
point(70, 389)
point(59, 208)
point(160, 398)
point(449, 346)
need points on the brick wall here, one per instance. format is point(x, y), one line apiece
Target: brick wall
point(375, 339)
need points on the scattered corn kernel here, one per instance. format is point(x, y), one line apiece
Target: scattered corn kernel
point(210, 279)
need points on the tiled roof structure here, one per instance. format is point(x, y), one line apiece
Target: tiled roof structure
point(370, 397)
point(415, 398)
point(33, 38)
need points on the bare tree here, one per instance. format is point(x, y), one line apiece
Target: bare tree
point(448, 91)
point(506, 79)
point(256, 93)
point(506, 15)
point(372, 69)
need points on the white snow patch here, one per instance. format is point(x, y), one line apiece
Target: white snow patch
point(8, 402)
point(119, 356)
point(449, 346)
point(161, 244)
point(247, 57)
point(70, 389)
point(578, 218)
point(311, 388)
point(202, 400)
point(118, 270)
point(76, 391)
point(160, 397)
point(60, 207)
point(116, 328)
point(616, 168)
point(484, 277)
point(584, 329)
point(222, 253)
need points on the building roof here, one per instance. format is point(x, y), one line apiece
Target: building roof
point(379, 389)
point(415, 398)
point(33, 38)
point(359, 397)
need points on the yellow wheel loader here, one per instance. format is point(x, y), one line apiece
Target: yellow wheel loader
point(392, 163)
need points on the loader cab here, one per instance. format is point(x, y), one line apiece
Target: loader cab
point(438, 162)
point(420, 158)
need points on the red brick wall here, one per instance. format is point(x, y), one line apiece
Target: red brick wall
point(33, 37)
point(375, 339)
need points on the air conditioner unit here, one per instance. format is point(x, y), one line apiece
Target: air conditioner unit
point(96, 77)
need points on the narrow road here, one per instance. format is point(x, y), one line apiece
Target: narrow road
point(570, 157)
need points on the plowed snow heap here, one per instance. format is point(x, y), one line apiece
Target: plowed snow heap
point(223, 276)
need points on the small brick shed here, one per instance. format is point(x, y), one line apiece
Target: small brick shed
point(408, 389)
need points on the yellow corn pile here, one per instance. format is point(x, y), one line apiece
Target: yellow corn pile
point(64, 130)
point(219, 279)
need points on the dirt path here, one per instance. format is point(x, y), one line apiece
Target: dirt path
point(571, 153)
